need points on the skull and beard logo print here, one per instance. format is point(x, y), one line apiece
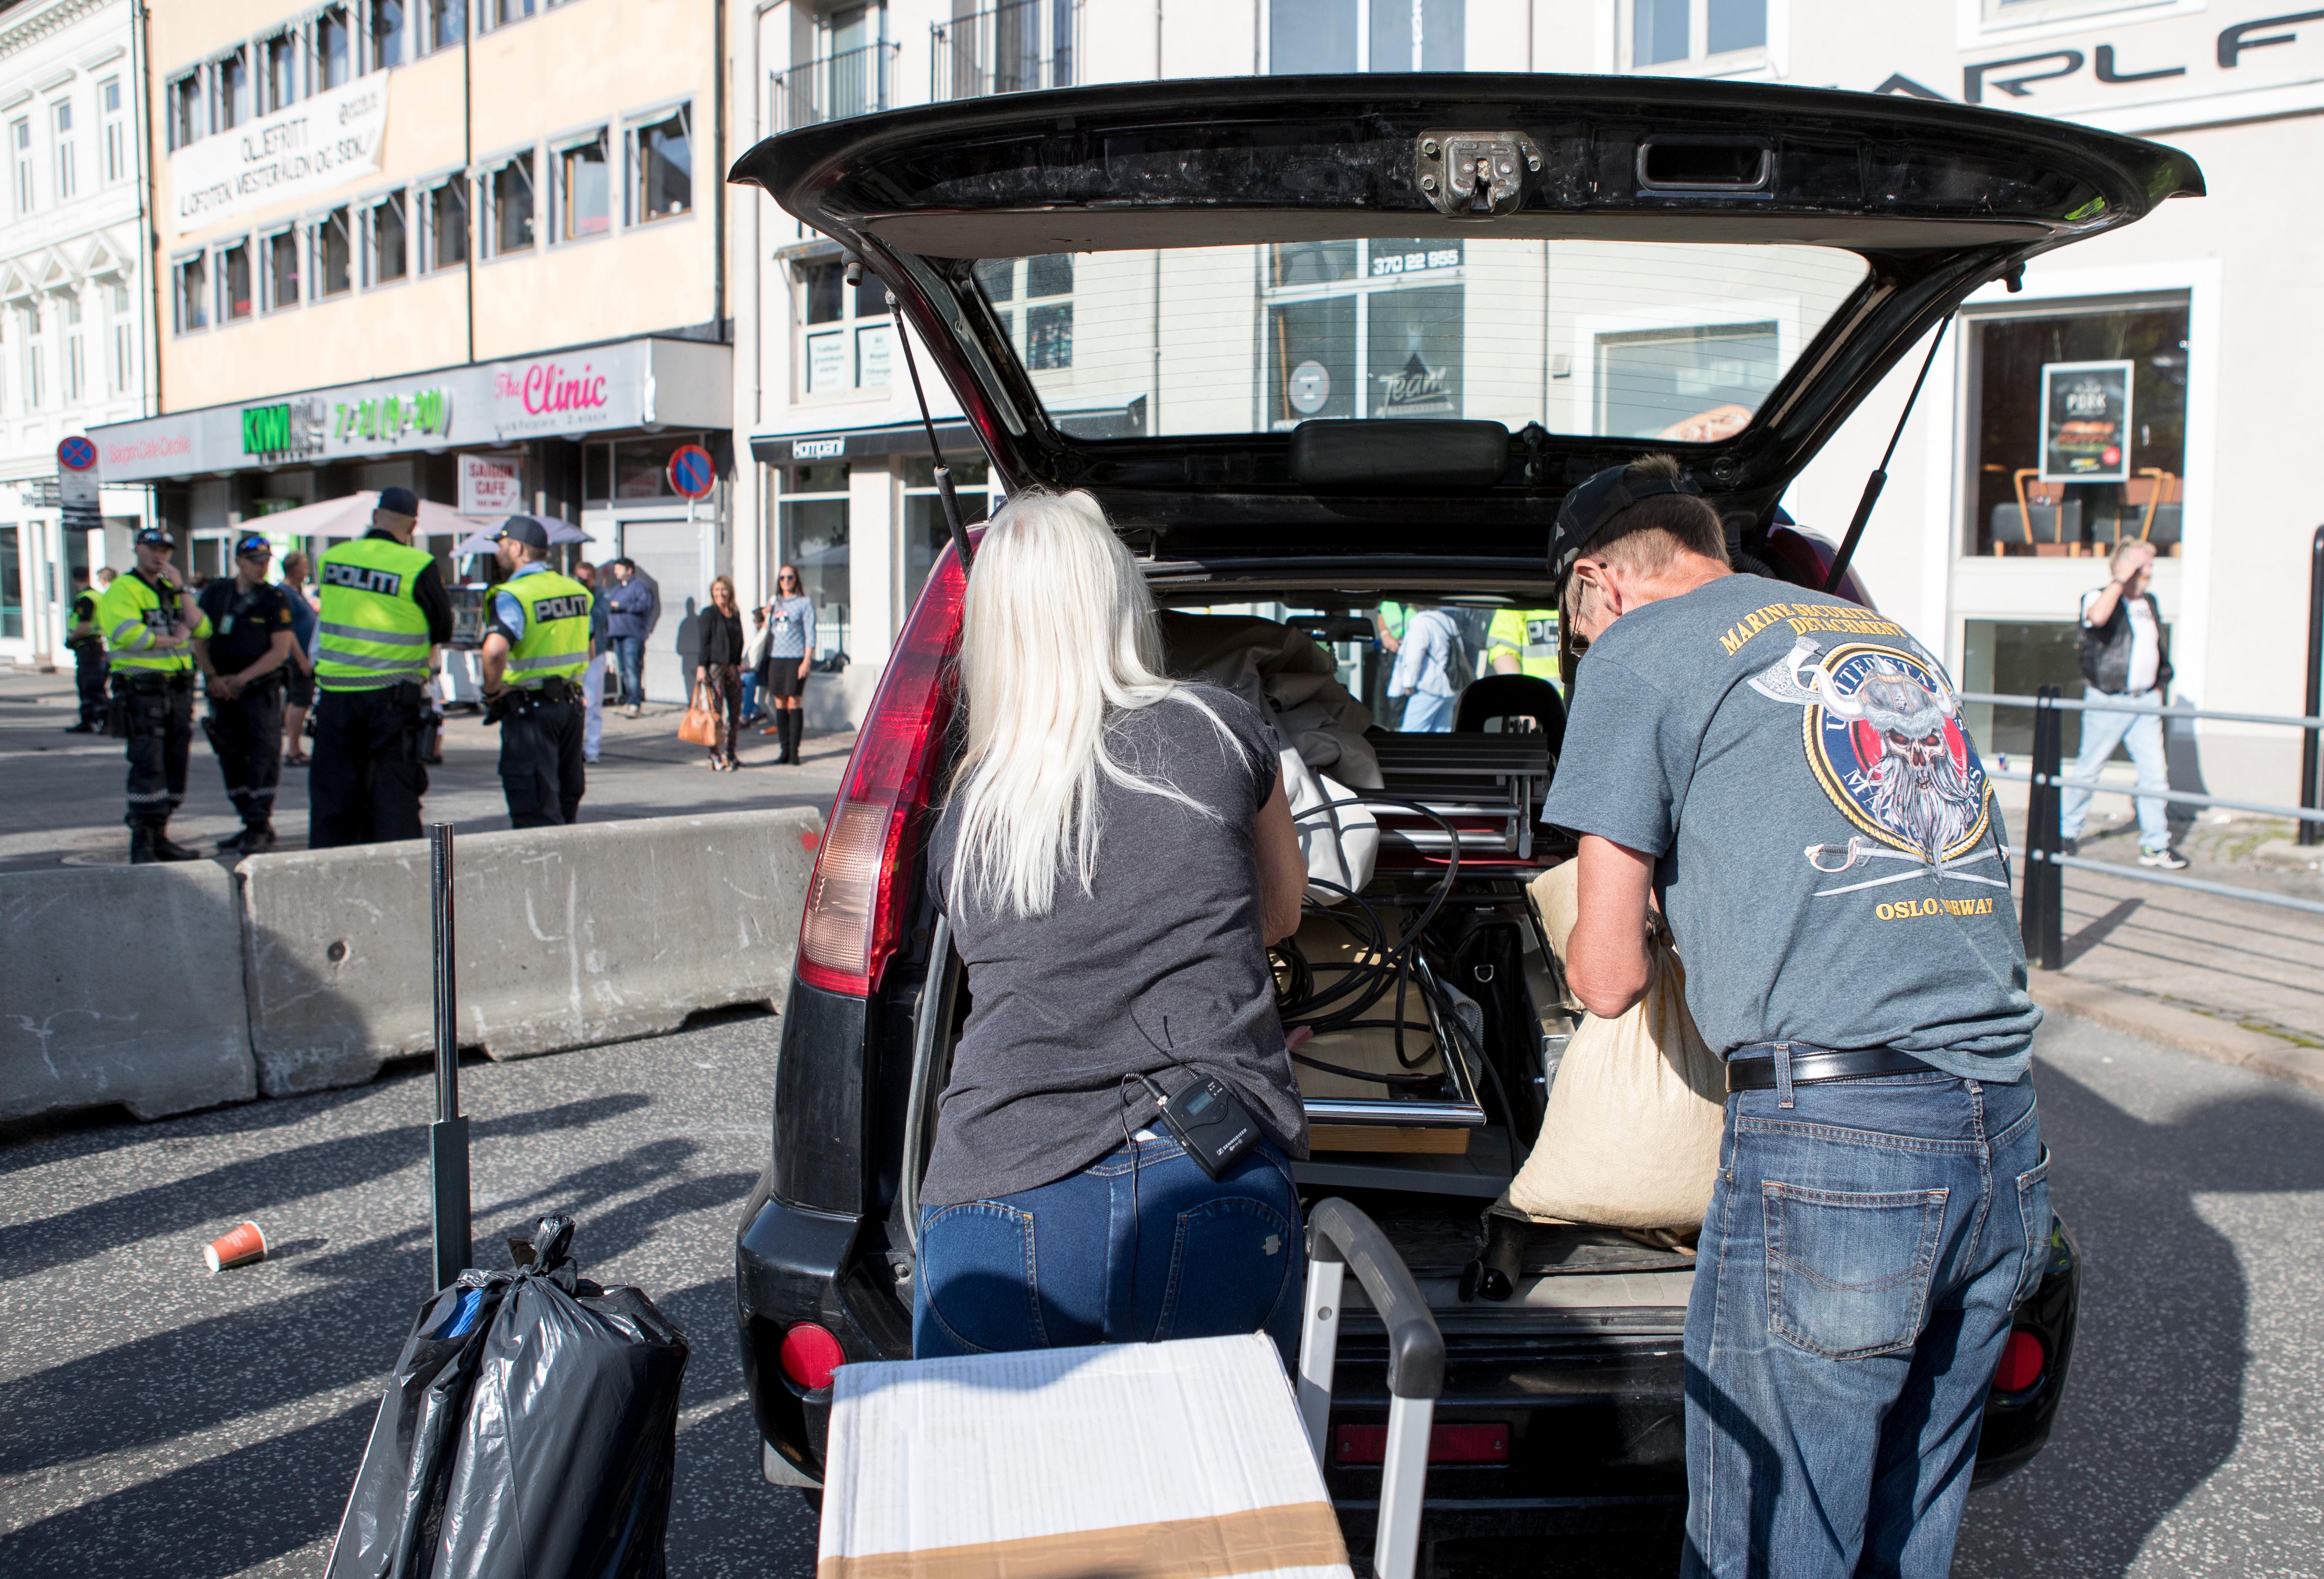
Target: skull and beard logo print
point(1883, 733)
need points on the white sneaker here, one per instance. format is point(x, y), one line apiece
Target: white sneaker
point(2166, 860)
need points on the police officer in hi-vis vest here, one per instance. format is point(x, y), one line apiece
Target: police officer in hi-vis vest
point(157, 634)
point(536, 645)
point(384, 613)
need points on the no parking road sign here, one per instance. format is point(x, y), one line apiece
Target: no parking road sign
point(691, 471)
point(77, 485)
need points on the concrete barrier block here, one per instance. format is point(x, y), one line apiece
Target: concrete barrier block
point(566, 937)
point(123, 984)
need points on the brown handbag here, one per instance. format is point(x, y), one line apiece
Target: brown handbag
point(700, 725)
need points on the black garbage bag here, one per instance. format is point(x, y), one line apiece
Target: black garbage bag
point(563, 1461)
point(393, 1519)
point(527, 1431)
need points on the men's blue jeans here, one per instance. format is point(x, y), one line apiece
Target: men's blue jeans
point(1864, 1249)
point(1140, 1246)
point(629, 663)
point(2102, 731)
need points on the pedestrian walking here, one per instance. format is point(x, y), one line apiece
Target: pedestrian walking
point(1423, 674)
point(85, 638)
point(154, 633)
point(601, 648)
point(754, 664)
point(790, 650)
point(719, 666)
point(384, 613)
point(633, 609)
point(2125, 657)
point(299, 682)
point(536, 646)
point(253, 638)
point(1839, 889)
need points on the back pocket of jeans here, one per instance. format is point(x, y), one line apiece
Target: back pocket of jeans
point(1227, 1270)
point(1848, 1275)
point(2034, 1213)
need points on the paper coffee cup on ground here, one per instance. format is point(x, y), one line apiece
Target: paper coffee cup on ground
point(245, 1243)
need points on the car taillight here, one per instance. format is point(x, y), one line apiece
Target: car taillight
point(1485, 1444)
point(855, 901)
point(810, 1354)
point(2022, 1359)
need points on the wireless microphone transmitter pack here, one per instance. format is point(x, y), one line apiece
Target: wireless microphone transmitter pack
point(1212, 1123)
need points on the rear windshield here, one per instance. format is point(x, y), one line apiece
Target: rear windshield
point(1622, 339)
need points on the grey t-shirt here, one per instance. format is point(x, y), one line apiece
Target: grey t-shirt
point(1160, 970)
point(1830, 854)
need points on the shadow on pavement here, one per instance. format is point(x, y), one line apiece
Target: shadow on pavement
point(2154, 1401)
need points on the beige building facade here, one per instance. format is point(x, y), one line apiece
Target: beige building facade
point(472, 247)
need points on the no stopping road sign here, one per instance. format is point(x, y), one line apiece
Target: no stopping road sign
point(691, 471)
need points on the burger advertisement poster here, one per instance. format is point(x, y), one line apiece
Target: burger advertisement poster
point(2086, 422)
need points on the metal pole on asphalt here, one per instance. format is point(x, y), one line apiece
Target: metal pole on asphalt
point(2311, 739)
point(2042, 918)
point(448, 1137)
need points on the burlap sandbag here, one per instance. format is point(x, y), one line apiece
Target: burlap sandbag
point(1631, 1136)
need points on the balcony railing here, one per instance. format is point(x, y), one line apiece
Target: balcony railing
point(1030, 43)
point(852, 82)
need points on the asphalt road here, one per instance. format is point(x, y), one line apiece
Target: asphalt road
point(158, 1420)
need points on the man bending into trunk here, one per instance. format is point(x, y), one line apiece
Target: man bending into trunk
point(1790, 777)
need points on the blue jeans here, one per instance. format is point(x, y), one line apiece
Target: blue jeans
point(629, 663)
point(1109, 1255)
point(1426, 713)
point(1862, 1255)
point(2102, 731)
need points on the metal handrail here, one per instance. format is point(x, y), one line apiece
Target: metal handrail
point(1012, 47)
point(2081, 704)
point(831, 87)
point(2176, 797)
point(2195, 884)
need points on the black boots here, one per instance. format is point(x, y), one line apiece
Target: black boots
point(255, 838)
point(793, 720)
point(149, 842)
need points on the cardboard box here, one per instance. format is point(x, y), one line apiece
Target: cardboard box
point(1180, 1460)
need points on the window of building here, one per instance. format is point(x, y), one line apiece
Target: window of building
point(584, 189)
point(447, 23)
point(387, 33)
point(19, 154)
point(2080, 439)
point(125, 338)
point(501, 13)
point(443, 215)
point(185, 99)
point(192, 277)
point(278, 72)
point(1666, 31)
point(116, 129)
point(1006, 46)
point(642, 466)
point(509, 189)
point(1366, 36)
point(282, 250)
point(811, 535)
point(848, 335)
point(1650, 380)
point(1045, 284)
point(12, 586)
point(29, 325)
point(334, 254)
point(75, 359)
point(230, 90)
point(60, 127)
point(661, 166)
point(334, 47)
point(234, 279)
point(386, 244)
point(926, 530)
point(1999, 15)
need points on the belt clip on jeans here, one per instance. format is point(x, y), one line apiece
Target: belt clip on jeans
point(1784, 1075)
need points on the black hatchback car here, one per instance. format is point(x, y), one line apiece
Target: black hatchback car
point(1326, 348)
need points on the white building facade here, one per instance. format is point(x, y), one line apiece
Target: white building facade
point(76, 297)
point(2195, 322)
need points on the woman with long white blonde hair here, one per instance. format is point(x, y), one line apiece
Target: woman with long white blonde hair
point(1115, 855)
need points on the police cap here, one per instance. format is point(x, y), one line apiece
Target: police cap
point(525, 529)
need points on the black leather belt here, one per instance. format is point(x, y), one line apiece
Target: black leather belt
point(1809, 1064)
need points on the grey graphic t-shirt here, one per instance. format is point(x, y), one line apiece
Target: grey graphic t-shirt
point(1829, 852)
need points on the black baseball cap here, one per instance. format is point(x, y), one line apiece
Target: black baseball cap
point(252, 542)
point(155, 537)
point(398, 501)
point(1590, 506)
point(524, 529)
